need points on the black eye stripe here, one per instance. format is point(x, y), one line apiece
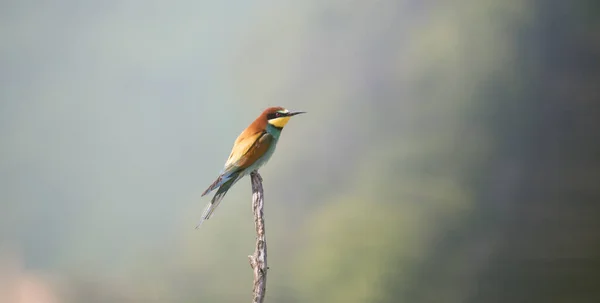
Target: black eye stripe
point(275, 115)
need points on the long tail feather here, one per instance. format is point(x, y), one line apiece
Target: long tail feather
point(216, 200)
point(220, 180)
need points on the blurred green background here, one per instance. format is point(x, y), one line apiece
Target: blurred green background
point(450, 152)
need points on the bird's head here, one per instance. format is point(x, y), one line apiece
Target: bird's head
point(278, 116)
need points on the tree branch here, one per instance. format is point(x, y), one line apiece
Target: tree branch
point(258, 261)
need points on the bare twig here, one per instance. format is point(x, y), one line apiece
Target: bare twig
point(258, 261)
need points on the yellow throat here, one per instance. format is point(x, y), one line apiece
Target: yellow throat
point(279, 122)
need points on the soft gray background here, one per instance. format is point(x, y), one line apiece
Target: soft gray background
point(448, 155)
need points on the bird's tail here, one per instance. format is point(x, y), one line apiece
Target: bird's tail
point(220, 180)
point(214, 203)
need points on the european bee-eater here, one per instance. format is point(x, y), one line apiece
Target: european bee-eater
point(252, 149)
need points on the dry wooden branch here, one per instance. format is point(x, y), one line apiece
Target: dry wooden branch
point(258, 261)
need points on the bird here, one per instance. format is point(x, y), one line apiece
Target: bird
point(251, 150)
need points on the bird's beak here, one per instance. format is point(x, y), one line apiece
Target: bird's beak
point(295, 113)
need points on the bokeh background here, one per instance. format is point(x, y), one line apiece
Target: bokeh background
point(450, 152)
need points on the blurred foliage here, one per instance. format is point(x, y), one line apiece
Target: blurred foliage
point(441, 142)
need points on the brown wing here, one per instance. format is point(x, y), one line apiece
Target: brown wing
point(242, 144)
point(247, 151)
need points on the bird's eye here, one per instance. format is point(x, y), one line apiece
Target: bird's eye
point(277, 114)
